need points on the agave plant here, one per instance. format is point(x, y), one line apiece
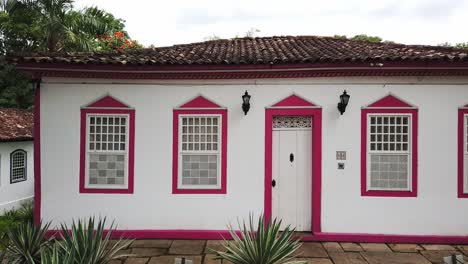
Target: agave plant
point(89, 243)
point(56, 255)
point(26, 242)
point(264, 245)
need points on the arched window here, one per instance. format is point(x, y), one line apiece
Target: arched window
point(18, 164)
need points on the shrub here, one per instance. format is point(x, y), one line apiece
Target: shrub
point(88, 243)
point(26, 241)
point(264, 245)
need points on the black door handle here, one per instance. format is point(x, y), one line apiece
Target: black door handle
point(291, 157)
point(273, 183)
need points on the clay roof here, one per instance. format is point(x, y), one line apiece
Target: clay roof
point(264, 50)
point(16, 124)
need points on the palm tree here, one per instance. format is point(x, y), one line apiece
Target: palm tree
point(59, 27)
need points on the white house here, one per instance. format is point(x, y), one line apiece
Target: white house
point(160, 141)
point(16, 157)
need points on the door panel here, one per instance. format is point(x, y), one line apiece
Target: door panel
point(292, 193)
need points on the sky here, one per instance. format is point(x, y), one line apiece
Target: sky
point(168, 22)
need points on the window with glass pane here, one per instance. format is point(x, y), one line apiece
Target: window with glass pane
point(199, 146)
point(389, 150)
point(18, 161)
point(107, 150)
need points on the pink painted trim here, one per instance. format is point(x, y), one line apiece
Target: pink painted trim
point(390, 101)
point(319, 236)
point(414, 154)
point(200, 102)
point(131, 151)
point(175, 152)
point(108, 102)
point(316, 161)
point(37, 155)
point(461, 155)
point(293, 100)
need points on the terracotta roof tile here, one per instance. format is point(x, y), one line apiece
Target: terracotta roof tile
point(265, 50)
point(16, 124)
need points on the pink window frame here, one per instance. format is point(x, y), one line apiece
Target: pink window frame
point(107, 105)
point(462, 111)
point(390, 105)
point(199, 106)
point(296, 106)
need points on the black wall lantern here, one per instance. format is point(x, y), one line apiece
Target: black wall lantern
point(246, 102)
point(344, 98)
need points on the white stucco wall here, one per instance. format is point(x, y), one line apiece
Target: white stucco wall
point(436, 210)
point(12, 195)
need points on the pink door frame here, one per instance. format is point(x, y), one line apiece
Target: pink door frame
point(316, 114)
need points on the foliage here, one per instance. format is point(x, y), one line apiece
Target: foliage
point(117, 41)
point(212, 37)
point(15, 88)
point(361, 37)
point(88, 243)
point(463, 45)
point(252, 33)
point(54, 255)
point(13, 218)
point(264, 245)
point(26, 242)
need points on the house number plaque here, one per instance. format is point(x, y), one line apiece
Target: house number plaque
point(341, 155)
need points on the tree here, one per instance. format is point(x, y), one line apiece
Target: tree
point(50, 26)
point(361, 37)
point(117, 41)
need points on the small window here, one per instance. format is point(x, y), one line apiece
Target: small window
point(107, 151)
point(107, 147)
point(389, 148)
point(199, 151)
point(199, 154)
point(18, 166)
point(389, 152)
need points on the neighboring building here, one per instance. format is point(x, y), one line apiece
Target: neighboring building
point(157, 139)
point(16, 157)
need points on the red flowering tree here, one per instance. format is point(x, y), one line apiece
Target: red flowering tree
point(117, 41)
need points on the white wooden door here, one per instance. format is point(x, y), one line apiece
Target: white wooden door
point(292, 174)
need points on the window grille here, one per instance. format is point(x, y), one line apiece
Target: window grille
point(18, 161)
point(292, 122)
point(200, 144)
point(389, 149)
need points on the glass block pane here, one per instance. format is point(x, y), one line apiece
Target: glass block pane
point(199, 169)
point(105, 169)
point(389, 172)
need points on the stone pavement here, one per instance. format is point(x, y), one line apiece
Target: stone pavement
point(164, 252)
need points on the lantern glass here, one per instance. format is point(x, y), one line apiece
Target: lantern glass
point(344, 98)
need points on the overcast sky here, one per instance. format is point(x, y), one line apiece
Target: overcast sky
point(169, 22)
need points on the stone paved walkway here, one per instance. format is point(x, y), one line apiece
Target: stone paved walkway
point(164, 252)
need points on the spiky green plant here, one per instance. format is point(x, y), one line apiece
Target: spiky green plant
point(264, 245)
point(89, 243)
point(56, 255)
point(26, 242)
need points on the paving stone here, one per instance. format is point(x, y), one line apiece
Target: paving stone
point(137, 261)
point(115, 261)
point(438, 256)
point(187, 247)
point(405, 247)
point(394, 258)
point(148, 252)
point(463, 248)
point(332, 247)
point(351, 247)
point(438, 247)
point(216, 245)
point(375, 247)
point(347, 258)
point(209, 259)
point(112, 242)
point(171, 259)
point(312, 250)
point(314, 260)
point(151, 243)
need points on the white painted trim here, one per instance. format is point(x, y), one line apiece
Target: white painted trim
point(218, 153)
point(465, 154)
point(409, 152)
point(126, 153)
